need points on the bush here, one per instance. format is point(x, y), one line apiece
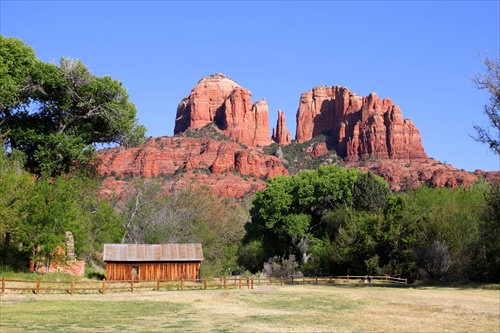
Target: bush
point(435, 259)
point(280, 267)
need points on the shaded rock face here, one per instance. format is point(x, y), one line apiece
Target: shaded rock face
point(358, 127)
point(219, 99)
point(225, 167)
point(281, 135)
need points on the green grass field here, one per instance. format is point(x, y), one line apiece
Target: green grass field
point(301, 308)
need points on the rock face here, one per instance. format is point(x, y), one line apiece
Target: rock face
point(358, 127)
point(368, 133)
point(225, 167)
point(281, 135)
point(403, 175)
point(219, 99)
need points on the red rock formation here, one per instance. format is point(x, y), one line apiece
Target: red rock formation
point(281, 135)
point(368, 132)
point(210, 162)
point(201, 106)
point(402, 175)
point(319, 149)
point(358, 126)
point(219, 99)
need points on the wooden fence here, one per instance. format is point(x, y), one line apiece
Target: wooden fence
point(38, 286)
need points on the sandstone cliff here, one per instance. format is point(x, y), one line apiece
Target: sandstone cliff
point(219, 99)
point(357, 126)
point(225, 167)
point(223, 142)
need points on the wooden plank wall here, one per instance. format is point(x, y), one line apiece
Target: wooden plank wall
point(151, 271)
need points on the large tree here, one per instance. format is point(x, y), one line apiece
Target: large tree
point(60, 205)
point(370, 192)
point(287, 217)
point(15, 188)
point(490, 236)
point(56, 114)
point(490, 81)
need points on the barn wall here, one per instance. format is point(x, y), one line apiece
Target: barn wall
point(153, 270)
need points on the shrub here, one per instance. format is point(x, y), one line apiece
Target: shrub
point(435, 259)
point(280, 267)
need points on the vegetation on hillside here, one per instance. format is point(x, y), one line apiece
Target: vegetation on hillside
point(210, 130)
point(297, 156)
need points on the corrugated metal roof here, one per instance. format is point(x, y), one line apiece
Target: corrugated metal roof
point(152, 252)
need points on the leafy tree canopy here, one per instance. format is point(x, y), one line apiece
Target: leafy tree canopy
point(288, 216)
point(370, 192)
point(56, 114)
point(64, 204)
point(15, 188)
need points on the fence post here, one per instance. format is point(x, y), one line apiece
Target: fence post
point(225, 286)
point(3, 285)
point(406, 281)
point(239, 284)
point(104, 286)
point(252, 283)
point(316, 280)
point(386, 279)
point(271, 281)
point(281, 281)
point(205, 283)
point(72, 286)
point(248, 283)
point(38, 286)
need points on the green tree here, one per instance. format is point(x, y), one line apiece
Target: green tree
point(398, 238)
point(15, 188)
point(490, 81)
point(340, 253)
point(93, 221)
point(17, 62)
point(370, 192)
point(43, 229)
point(59, 205)
point(450, 216)
point(56, 115)
point(287, 215)
point(489, 254)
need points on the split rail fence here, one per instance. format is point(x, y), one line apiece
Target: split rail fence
point(46, 286)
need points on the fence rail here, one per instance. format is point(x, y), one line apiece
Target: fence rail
point(72, 286)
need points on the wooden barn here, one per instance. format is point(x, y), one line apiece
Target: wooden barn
point(152, 261)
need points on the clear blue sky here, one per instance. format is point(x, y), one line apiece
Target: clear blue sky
point(420, 54)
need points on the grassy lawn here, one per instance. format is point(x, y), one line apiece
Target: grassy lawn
point(301, 308)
